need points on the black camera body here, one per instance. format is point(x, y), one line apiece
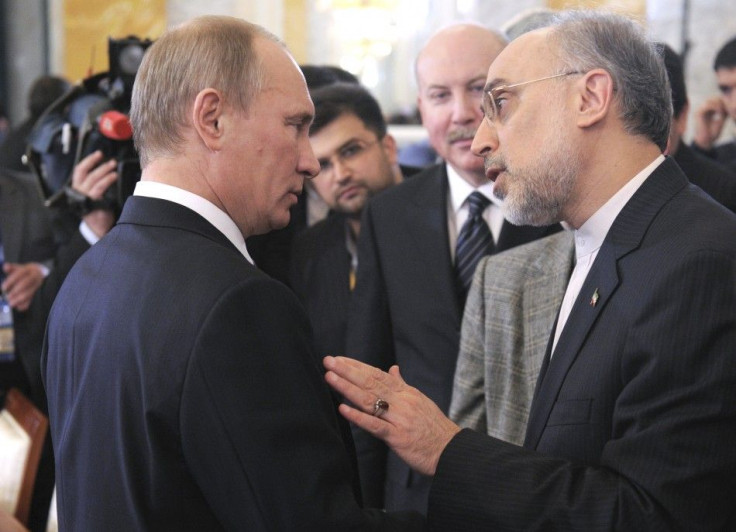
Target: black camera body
point(91, 116)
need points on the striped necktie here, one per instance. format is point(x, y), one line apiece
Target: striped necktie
point(473, 242)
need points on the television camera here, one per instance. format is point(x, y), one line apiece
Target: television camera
point(92, 115)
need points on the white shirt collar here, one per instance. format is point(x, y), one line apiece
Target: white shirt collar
point(208, 210)
point(591, 234)
point(460, 190)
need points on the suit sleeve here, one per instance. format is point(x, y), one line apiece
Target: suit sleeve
point(256, 410)
point(369, 339)
point(467, 408)
point(671, 464)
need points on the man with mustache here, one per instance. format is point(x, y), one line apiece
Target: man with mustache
point(632, 421)
point(418, 247)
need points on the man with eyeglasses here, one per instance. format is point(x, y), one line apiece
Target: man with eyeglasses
point(358, 159)
point(419, 245)
point(713, 114)
point(634, 413)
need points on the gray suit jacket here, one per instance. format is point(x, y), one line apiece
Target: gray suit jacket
point(512, 306)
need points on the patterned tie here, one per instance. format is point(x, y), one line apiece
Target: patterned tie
point(473, 242)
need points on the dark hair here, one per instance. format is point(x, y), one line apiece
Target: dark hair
point(45, 91)
point(320, 75)
point(673, 65)
point(726, 57)
point(338, 99)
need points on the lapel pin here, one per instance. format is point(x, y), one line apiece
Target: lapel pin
point(594, 299)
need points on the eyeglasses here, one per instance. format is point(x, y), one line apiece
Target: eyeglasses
point(492, 104)
point(352, 151)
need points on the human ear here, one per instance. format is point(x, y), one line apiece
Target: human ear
point(206, 117)
point(595, 97)
point(390, 147)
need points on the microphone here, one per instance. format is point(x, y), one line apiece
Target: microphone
point(115, 125)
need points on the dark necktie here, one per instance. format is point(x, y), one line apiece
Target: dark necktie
point(473, 242)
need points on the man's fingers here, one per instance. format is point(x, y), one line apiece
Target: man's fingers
point(355, 394)
point(378, 427)
point(88, 163)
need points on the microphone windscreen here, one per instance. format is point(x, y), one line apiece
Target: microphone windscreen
point(115, 125)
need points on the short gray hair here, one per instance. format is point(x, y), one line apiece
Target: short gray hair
point(618, 45)
point(207, 52)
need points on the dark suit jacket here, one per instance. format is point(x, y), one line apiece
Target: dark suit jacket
point(182, 391)
point(724, 153)
point(713, 178)
point(27, 236)
point(633, 421)
point(320, 277)
point(405, 311)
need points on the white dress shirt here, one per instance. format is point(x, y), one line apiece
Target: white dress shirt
point(208, 210)
point(589, 239)
point(457, 208)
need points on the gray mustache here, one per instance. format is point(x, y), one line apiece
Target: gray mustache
point(461, 134)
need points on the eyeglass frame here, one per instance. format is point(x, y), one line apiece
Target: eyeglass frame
point(489, 104)
point(342, 159)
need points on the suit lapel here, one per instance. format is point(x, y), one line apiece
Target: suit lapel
point(625, 235)
point(427, 229)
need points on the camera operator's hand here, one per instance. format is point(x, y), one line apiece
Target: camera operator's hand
point(21, 282)
point(92, 177)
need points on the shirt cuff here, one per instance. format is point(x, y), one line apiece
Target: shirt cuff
point(88, 234)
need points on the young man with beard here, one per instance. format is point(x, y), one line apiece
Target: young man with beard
point(632, 422)
point(358, 159)
point(418, 247)
point(713, 114)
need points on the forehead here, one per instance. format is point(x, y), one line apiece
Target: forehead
point(457, 56)
point(726, 76)
point(344, 128)
point(282, 75)
point(528, 56)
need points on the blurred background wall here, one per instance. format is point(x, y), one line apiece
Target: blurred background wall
point(375, 39)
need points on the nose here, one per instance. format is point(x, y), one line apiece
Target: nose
point(308, 165)
point(485, 141)
point(466, 108)
point(341, 170)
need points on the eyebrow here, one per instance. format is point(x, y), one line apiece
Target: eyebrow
point(446, 85)
point(301, 118)
point(493, 84)
point(341, 147)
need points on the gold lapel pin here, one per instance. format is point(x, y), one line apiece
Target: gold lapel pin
point(594, 299)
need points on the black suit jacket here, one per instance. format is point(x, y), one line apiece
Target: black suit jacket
point(405, 311)
point(713, 178)
point(320, 276)
point(183, 394)
point(724, 153)
point(633, 421)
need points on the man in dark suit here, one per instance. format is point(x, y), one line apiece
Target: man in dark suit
point(408, 300)
point(183, 393)
point(358, 159)
point(714, 178)
point(632, 422)
point(715, 112)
